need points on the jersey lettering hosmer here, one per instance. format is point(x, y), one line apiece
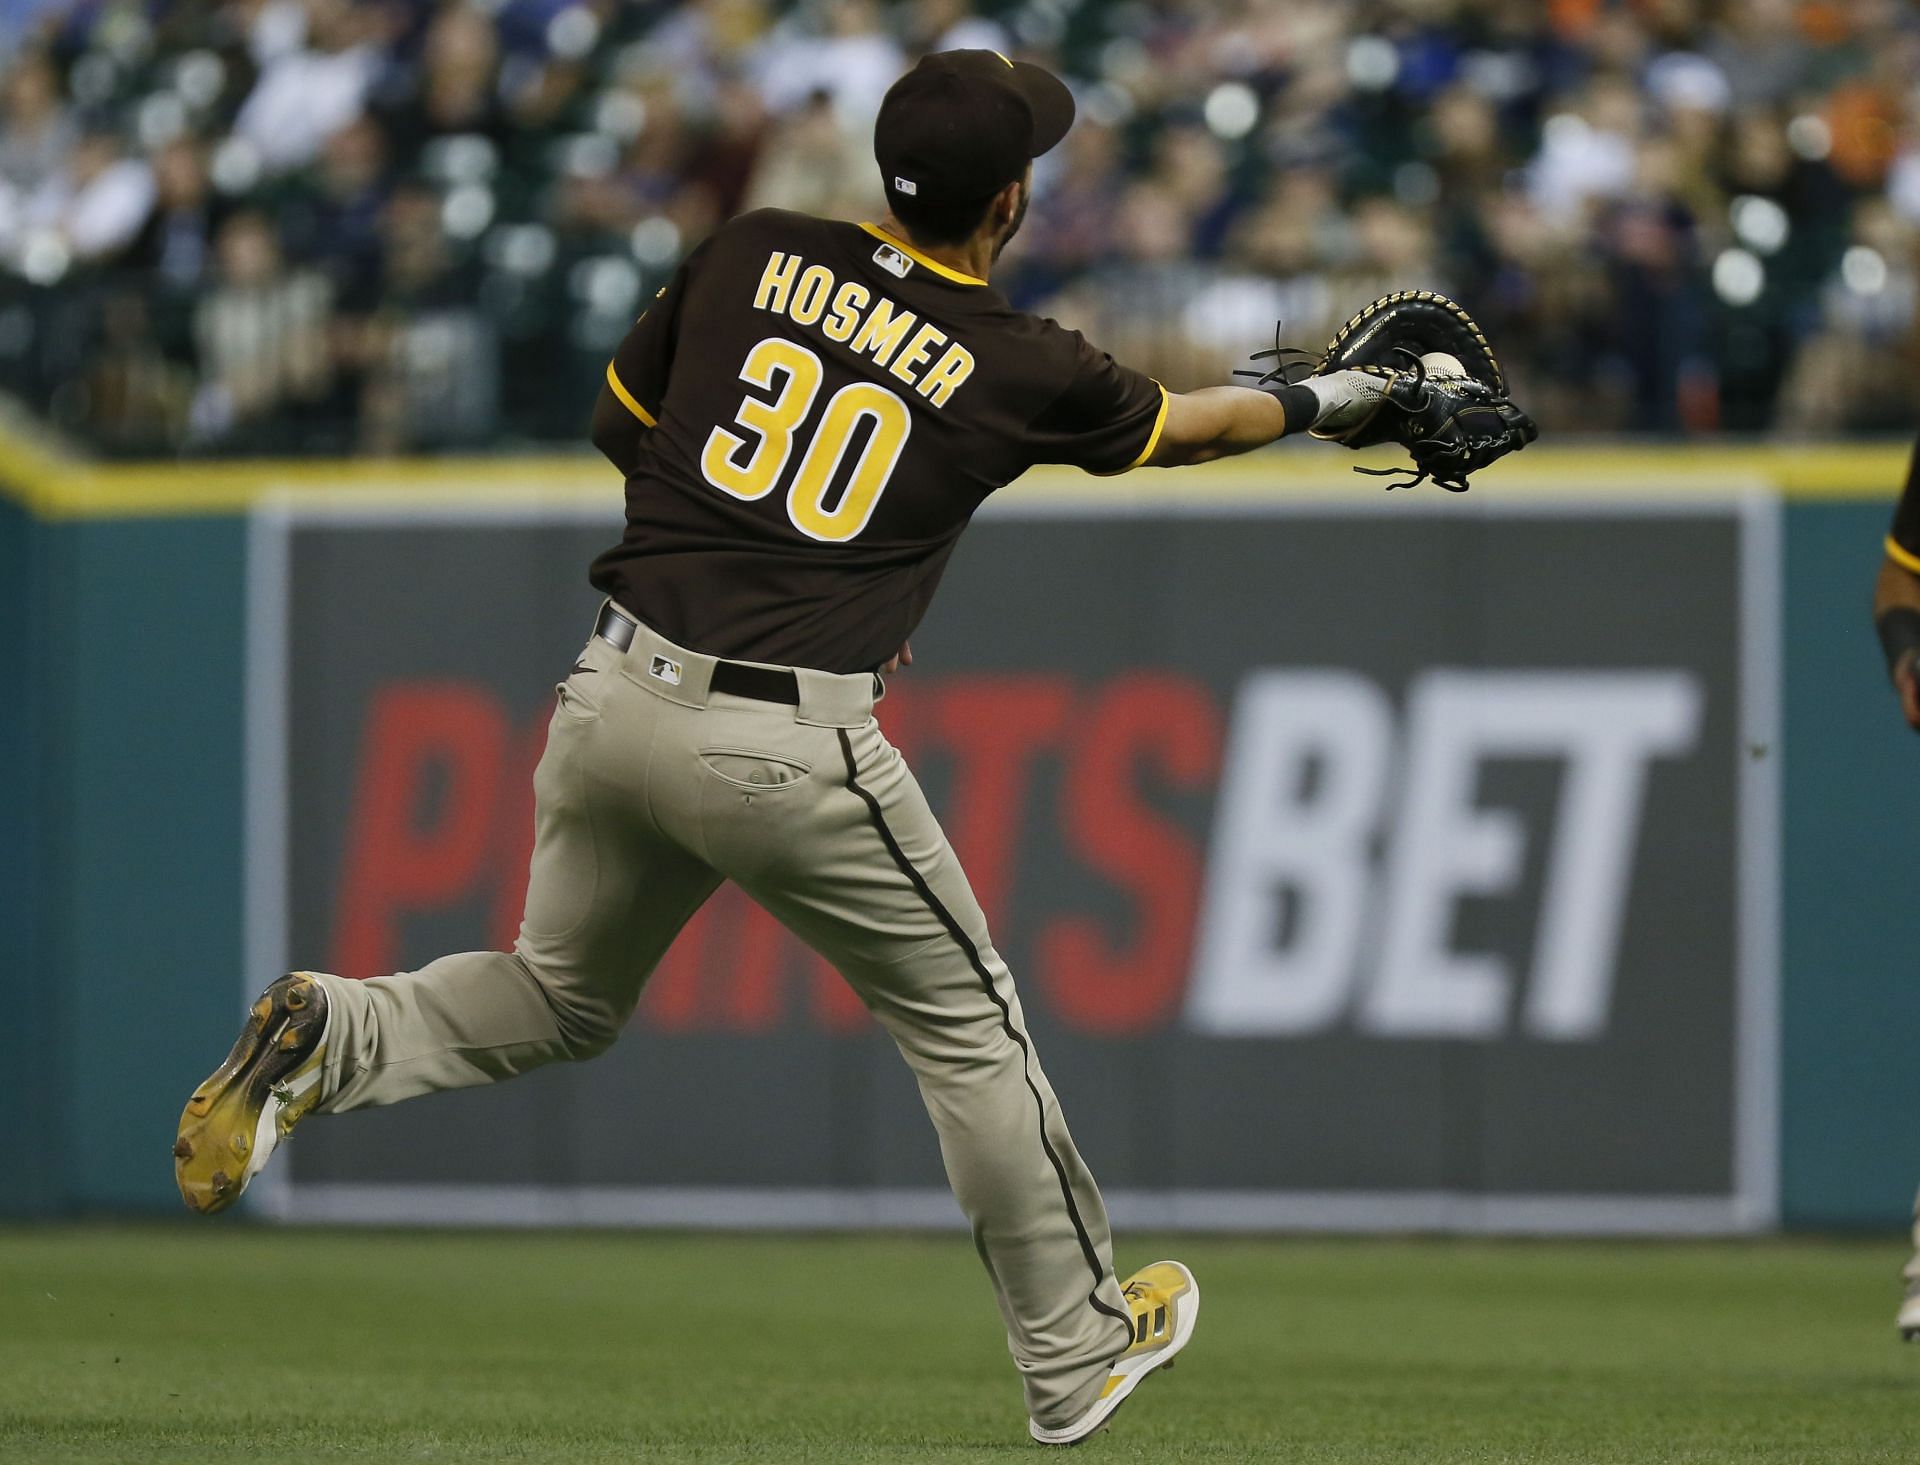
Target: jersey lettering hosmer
point(874, 326)
point(827, 408)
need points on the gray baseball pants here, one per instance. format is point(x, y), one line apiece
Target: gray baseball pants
point(651, 791)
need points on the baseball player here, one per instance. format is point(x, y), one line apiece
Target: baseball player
point(1896, 616)
point(807, 417)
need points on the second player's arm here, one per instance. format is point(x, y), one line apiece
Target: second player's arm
point(616, 431)
point(1896, 598)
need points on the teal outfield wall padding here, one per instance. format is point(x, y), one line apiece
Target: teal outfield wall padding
point(1850, 1136)
point(32, 1108)
point(121, 766)
point(135, 766)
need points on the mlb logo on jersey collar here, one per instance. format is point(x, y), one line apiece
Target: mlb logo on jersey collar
point(892, 260)
point(666, 670)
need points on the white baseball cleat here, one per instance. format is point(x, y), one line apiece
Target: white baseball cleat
point(1165, 1302)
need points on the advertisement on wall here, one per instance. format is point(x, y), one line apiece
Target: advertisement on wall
point(1376, 863)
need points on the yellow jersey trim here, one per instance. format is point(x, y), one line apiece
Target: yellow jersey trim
point(1153, 440)
point(620, 391)
point(1905, 558)
point(920, 259)
point(1159, 426)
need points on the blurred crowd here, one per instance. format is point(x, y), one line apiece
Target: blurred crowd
point(269, 226)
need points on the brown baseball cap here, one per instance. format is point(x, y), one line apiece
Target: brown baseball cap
point(962, 125)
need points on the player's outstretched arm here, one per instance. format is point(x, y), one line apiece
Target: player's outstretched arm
point(1218, 422)
point(1896, 615)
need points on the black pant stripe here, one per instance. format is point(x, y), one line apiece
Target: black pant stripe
point(972, 954)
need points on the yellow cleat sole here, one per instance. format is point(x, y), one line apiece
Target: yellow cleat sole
point(220, 1127)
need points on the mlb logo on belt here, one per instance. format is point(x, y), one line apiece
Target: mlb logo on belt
point(666, 670)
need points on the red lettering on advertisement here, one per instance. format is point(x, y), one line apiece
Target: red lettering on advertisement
point(443, 813)
point(730, 971)
point(836, 1006)
point(1145, 726)
point(994, 728)
point(670, 1002)
point(749, 989)
point(421, 737)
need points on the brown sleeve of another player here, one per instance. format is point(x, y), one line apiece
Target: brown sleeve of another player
point(1903, 539)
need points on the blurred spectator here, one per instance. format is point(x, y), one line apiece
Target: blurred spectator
point(175, 244)
point(415, 224)
point(309, 91)
point(36, 132)
point(814, 164)
point(1588, 153)
point(261, 335)
point(850, 58)
point(91, 208)
point(133, 398)
point(331, 214)
point(1862, 365)
point(427, 358)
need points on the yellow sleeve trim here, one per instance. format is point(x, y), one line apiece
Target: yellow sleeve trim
point(620, 391)
point(1153, 438)
point(1906, 559)
point(920, 259)
point(1159, 426)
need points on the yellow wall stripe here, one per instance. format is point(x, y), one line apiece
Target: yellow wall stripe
point(57, 487)
point(620, 391)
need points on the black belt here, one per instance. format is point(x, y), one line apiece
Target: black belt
point(735, 678)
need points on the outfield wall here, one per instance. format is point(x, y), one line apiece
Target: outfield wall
point(1586, 787)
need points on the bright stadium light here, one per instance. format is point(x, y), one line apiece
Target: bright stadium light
point(1863, 271)
point(1810, 137)
point(45, 258)
point(1760, 222)
point(1372, 63)
point(199, 78)
point(524, 249)
point(467, 210)
point(1738, 277)
point(619, 113)
point(572, 32)
point(608, 284)
point(236, 165)
point(1231, 110)
point(1107, 104)
point(161, 118)
point(655, 241)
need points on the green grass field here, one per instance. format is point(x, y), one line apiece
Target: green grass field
point(222, 1342)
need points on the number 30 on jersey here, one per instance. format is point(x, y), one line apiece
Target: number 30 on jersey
point(749, 469)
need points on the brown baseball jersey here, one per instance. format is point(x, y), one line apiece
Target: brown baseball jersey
point(828, 406)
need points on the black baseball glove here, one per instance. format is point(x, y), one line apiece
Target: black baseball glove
point(1452, 424)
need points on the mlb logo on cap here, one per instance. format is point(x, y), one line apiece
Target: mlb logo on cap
point(907, 186)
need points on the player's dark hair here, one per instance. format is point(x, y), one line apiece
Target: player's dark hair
point(937, 223)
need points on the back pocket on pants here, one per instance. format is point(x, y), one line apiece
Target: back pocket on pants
point(754, 770)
